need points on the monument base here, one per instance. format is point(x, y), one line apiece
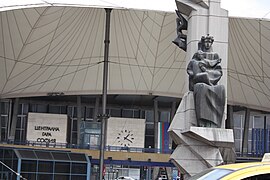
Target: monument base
point(198, 148)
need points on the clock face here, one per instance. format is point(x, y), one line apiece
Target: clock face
point(125, 138)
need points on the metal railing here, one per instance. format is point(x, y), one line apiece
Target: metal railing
point(88, 146)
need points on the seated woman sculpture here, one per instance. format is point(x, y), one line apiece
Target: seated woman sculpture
point(204, 72)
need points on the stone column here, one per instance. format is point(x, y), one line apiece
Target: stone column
point(14, 120)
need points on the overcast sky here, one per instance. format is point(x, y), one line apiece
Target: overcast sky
point(247, 8)
point(242, 8)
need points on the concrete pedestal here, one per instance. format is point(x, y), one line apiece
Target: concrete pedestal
point(198, 148)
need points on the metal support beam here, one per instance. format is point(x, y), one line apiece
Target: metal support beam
point(173, 111)
point(19, 169)
point(156, 118)
point(229, 121)
point(79, 118)
point(245, 133)
point(96, 109)
point(104, 117)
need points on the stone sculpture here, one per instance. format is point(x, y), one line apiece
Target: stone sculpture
point(181, 24)
point(210, 144)
point(204, 72)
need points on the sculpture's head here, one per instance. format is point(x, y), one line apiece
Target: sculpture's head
point(207, 41)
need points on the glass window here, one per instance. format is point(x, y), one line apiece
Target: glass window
point(45, 176)
point(149, 142)
point(45, 166)
point(237, 119)
point(70, 111)
point(115, 113)
point(79, 168)
point(18, 135)
point(128, 113)
point(4, 108)
point(238, 146)
point(54, 109)
point(136, 113)
point(41, 108)
point(27, 154)
point(25, 109)
point(74, 125)
point(237, 133)
point(20, 109)
point(74, 111)
point(62, 167)
point(3, 134)
point(74, 138)
point(61, 177)
point(63, 110)
point(149, 116)
point(60, 156)
point(210, 174)
point(29, 176)
point(29, 166)
point(4, 121)
point(43, 155)
point(142, 114)
point(18, 125)
point(78, 177)
point(89, 112)
point(77, 157)
point(267, 122)
point(250, 134)
point(258, 122)
point(8, 154)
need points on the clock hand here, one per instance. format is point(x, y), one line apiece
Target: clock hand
point(126, 137)
point(129, 140)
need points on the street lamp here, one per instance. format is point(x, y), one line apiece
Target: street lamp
point(104, 117)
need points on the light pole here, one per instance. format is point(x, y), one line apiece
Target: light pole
point(104, 117)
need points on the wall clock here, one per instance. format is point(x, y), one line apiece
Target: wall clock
point(125, 138)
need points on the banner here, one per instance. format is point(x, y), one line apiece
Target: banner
point(163, 137)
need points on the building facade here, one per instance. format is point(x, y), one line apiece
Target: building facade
point(51, 62)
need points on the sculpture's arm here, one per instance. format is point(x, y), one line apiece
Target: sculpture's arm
point(190, 69)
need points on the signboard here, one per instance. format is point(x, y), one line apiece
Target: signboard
point(125, 132)
point(47, 128)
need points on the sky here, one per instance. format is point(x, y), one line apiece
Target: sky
point(247, 8)
point(238, 8)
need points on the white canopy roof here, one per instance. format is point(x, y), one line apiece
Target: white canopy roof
point(60, 49)
point(166, 5)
